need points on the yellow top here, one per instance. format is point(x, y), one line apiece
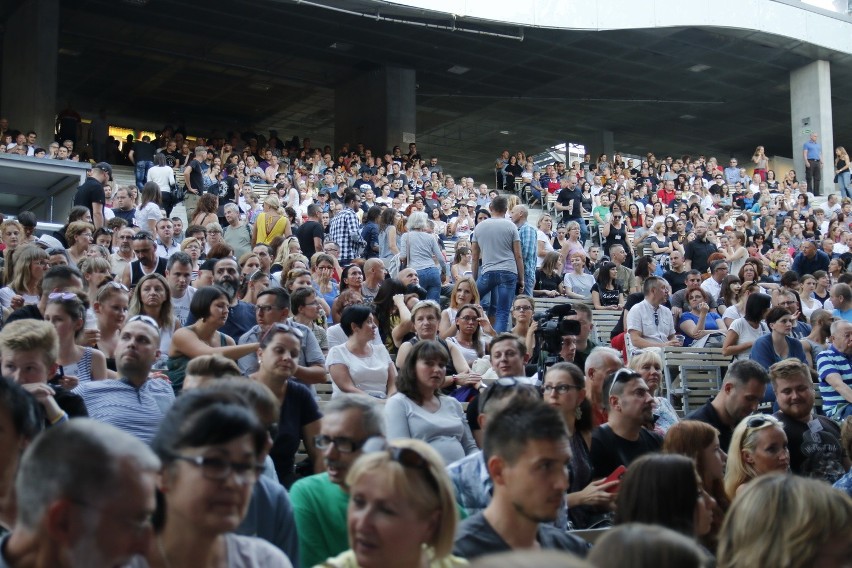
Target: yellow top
point(264, 235)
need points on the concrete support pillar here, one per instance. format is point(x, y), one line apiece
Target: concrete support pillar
point(810, 112)
point(378, 109)
point(601, 142)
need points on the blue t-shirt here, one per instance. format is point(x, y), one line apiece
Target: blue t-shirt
point(814, 149)
point(241, 318)
point(711, 322)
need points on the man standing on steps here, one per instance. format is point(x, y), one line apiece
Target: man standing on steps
point(529, 242)
point(812, 153)
point(497, 242)
point(91, 194)
point(193, 177)
point(569, 202)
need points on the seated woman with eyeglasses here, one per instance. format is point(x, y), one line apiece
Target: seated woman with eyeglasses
point(210, 306)
point(699, 321)
point(419, 410)
point(402, 510)
point(299, 419)
point(211, 446)
point(758, 447)
point(67, 312)
point(193, 247)
point(565, 389)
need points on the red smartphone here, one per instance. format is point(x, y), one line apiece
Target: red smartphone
point(615, 476)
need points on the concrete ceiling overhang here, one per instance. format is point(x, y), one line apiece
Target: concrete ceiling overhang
point(273, 64)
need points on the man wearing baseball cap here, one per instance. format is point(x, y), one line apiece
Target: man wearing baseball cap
point(91, 193)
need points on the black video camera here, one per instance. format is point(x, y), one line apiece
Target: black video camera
point(552, 327)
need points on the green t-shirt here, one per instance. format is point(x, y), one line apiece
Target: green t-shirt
point(601, 211)
point(320, 510)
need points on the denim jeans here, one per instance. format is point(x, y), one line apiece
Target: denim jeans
point(844, 181)
point(529, 280)
point(430, 280)
point(142, 173)
point(502, 284)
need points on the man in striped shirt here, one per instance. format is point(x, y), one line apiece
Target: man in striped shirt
point(835, 372)
point(135, 403)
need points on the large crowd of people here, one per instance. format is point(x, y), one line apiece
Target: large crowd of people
point(335, 359)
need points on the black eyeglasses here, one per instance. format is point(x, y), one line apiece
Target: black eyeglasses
point(406, 457)
point(560, 389)
point(218, 469)
point(623, 375)
point(344, 445)
point(761, 420)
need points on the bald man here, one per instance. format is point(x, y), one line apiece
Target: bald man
point(374, 275)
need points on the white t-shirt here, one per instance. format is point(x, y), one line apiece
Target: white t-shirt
point(370, 374)
point(747, 334)
point(548, 247)
point(180, 306)
point(6, 295)
point(150, 212)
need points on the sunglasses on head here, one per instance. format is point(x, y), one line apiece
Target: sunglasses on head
point(623, 375)
point(146, 320)
point(143, 236)
point(406, 457)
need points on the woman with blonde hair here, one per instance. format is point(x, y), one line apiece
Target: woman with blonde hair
point(649, 365)
point(67, 312)
point(842, 172)
point(152, 297)
point(464, 292)
point(410, 475)
point(194, 248)
point(787, 521)
point(24, 287)
point(758, 447)
point(271, 223)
